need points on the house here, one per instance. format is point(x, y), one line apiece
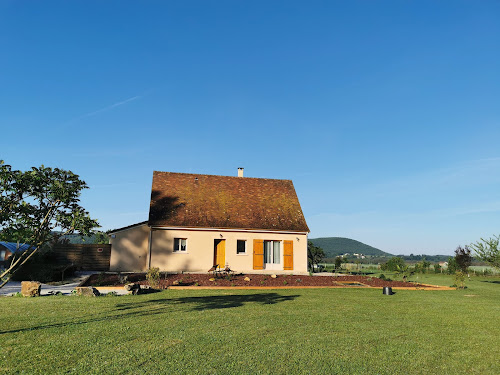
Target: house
point(252, 225)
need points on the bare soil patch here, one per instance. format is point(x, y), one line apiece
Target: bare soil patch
point(255, 281)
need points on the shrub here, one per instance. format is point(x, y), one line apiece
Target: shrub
point(153, 277)
point(459, 280)
point(437, 268)
point(383, 277)
point(487, 272)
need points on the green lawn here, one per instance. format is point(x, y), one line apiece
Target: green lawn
point(348, 331)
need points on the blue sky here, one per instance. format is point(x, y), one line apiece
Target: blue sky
point(385, 114)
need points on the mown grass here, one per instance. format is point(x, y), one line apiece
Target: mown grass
point(354, 331)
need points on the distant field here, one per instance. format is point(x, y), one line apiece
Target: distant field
point(316, 331)
point(375, 268)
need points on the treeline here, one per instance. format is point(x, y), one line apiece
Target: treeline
point(429, 258)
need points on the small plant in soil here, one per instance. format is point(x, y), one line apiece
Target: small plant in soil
point(285, 282)
point(233, 284)
point(298, 280)
point(153, 276)
point(262, 282)
point(196, 284)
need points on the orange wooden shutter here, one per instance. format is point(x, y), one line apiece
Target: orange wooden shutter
point(258, 254)
point(288, 255)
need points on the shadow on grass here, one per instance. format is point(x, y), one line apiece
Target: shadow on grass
point(491, 281)
point(164, 305)
point(215, 302)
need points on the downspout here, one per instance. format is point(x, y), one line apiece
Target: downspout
point(149, 248)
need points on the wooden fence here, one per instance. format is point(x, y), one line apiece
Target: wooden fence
point(85, 257)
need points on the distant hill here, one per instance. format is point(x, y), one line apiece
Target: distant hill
point(334, 246)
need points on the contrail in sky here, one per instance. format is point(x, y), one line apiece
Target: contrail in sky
point(111, 106)
point(108, 108)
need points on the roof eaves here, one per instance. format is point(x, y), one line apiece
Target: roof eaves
point(127, 227)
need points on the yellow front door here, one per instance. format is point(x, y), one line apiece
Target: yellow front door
point(220, 253)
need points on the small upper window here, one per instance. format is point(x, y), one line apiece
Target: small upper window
point(241, 247)
point(180, 244)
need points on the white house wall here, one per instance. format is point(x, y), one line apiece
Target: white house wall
point(130, 248)
point(199, 256)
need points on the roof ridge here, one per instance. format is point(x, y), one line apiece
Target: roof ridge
point(217, 175)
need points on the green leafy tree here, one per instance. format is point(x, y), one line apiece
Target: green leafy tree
point(101, 238)
point(315, 254)
point(452, 266)
point(437, 268)
point(488, 250)
point(393, 264)
point(338, 263)
point(404, 271)
point(37, 207)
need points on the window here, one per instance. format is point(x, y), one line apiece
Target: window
point(180, 244)
point(241, 247)
point(272, 252)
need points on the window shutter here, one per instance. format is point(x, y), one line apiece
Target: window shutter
point(258, 254)
point(288, 255)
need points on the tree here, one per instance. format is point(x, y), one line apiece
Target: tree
point(437, 268)
point(463, 259)
point(36, 207)
point(315, 254)
point(403, 270)
point(338, 262)
point(452, 266)
point(393, 264)
point(488, 250)
point(101, 238)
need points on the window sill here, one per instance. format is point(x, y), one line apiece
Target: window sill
point(238, 255)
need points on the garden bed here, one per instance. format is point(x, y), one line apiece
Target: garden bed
point(208, 280)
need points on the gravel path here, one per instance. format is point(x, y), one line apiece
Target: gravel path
point(13, 287)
